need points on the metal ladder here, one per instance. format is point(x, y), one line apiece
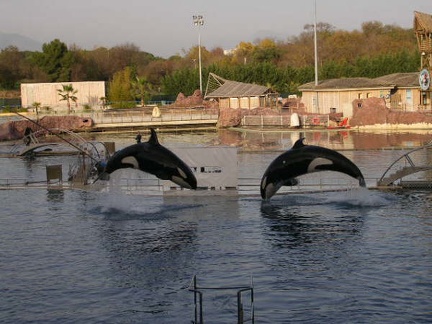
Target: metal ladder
point(241, 290)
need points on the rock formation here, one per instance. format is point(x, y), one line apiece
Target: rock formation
point(194, 100)
point(374, 112)
point(13, 130)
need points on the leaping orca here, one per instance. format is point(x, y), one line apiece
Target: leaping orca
point(302, 159)
point(152, 157)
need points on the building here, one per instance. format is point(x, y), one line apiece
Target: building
point(400, 90)
point(404, 91)
point(337, 95)
point(233, 94)
point(88, 93)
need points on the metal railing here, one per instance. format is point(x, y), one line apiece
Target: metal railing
point(242, 309)
point(284, 120)
point(137, 117)
point(409, 163)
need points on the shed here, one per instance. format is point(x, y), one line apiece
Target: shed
point(400, 90)
point(406, 94)
point(337, 95)
point(234, 94)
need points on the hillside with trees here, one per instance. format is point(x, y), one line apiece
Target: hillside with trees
point(373, 51)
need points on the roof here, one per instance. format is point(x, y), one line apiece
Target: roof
point(348, 83)
point(233, 89)
point(422, 22)
point(401, 80)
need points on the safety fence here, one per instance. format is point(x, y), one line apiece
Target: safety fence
point(136, 117)
point(284, 121)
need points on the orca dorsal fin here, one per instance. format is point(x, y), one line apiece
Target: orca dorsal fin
point(153, 137)
point(299, 143)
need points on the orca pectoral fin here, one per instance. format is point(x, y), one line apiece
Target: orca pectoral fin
point(181, 182)
point(269, 189)
point(291, 182)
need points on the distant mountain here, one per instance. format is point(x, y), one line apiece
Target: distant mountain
point(22, 42)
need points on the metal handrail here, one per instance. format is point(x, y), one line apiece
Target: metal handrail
point(406, 157)
point(198, 301)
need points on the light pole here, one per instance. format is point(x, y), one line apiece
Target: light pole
point(199, 21)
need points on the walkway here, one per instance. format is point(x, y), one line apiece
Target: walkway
point(169, 118)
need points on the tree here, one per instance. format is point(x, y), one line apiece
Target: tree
point(11, 61)
point(266, 51)
point(243, 52)
point(120, 89)
point(141, 88)
point(36, 105)
point(68, 94)
point(55, 60)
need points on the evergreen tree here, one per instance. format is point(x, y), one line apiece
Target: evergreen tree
point(55, 60)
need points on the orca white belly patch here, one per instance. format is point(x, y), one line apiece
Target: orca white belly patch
point(317, 162)
point(131, 160)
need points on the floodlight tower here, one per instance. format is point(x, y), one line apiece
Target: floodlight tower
point(198, 20)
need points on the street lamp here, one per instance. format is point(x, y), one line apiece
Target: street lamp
point(199, 21)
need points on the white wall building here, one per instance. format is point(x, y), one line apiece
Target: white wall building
point(88, 93)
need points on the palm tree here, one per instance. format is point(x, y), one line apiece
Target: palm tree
point(36, 105)
point(141, 88)
point(68, 94)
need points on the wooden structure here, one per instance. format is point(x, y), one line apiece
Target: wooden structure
point(400, 90)
point(337, 95)
point(233, 94)
point(423, 31)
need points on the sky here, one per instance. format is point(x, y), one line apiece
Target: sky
point(165, 27)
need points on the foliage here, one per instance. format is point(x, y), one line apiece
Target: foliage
point(55, 60)
point(68, 93)
point(184, 80)
point(141, 89)
point(374, 50)
point(120, 89)
point(37, 106)
point(11, 66)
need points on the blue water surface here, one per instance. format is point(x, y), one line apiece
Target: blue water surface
point(94, 256)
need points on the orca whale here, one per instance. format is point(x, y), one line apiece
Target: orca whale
point(302, 159)
point(153, 158)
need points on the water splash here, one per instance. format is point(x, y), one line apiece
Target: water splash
point(360, 197)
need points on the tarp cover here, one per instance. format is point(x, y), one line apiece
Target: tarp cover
point(214, 167)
